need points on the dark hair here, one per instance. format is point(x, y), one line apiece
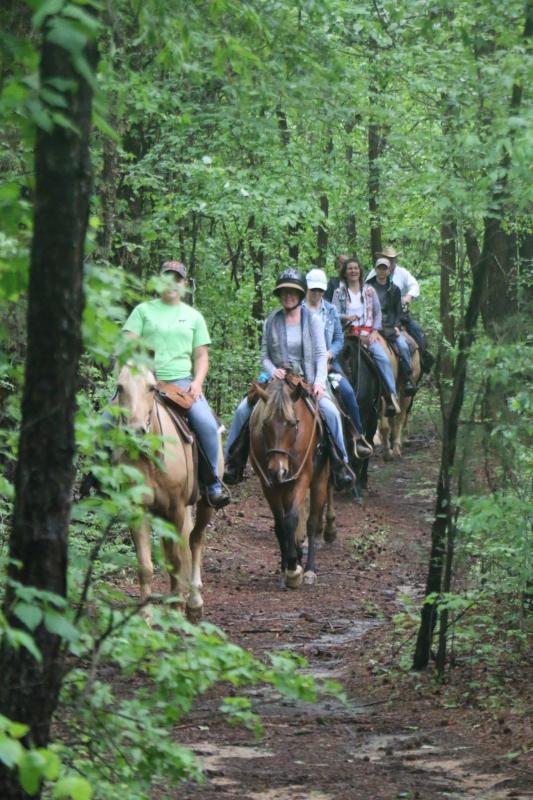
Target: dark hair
point(340, 261)
point(352, 260)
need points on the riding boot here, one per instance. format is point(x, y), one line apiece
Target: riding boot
point(343, 477)
point(408, 385)
point(237, 457)
point(362, 448)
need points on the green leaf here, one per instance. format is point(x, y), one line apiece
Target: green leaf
point(47, 8)
point(61, 626)
point(10, 752)
point(31, 768)
point(30, 615)
point(73, 786)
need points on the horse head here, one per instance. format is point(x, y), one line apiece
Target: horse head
point(135, 387)
point(280, 429)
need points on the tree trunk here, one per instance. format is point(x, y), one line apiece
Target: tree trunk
point(351, 220)
point(448, 268)
point(293, 231)
point(45, 470)
point(322, 234)
point(373, 189)
point(442, 521)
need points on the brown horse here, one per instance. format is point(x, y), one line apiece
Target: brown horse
point(284, 434)
point(394, 429)
point(170, 492)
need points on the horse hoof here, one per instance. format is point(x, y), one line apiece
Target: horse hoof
point(330, 534)
point(294, 578)
point(310, 578)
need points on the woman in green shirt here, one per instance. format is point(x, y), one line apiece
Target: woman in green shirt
point(178, 335)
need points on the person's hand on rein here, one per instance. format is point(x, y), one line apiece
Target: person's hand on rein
point(280, 374)
point(318, 391)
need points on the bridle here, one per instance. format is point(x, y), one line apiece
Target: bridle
point(278, 450)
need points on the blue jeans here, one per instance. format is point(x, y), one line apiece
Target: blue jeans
point(328, 408)
point(203, 423)
point(350, 403)
point(405, 354)
point(382, 360)
point(414, 330)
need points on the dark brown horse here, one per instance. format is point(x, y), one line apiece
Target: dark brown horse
point(286, 454)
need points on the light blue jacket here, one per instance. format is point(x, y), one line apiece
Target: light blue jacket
point(332, 330)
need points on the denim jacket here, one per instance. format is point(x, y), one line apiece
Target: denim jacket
point(332, 330)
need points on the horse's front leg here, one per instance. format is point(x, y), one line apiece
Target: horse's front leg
point(143, 546)
point(280, 536)
point(293, 569)
point(330, 531)
point(195, 601)
point(318, 496)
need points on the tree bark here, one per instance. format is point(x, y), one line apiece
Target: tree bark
point(29, 690)
point(293, 231)
point(374, 148)
point(448, 268)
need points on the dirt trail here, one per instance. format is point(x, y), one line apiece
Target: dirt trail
point(388, 743)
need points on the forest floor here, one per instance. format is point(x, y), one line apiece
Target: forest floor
point(401, 735)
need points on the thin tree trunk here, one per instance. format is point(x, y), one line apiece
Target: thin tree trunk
point(442, 519)
point(29, 690)
point(351, 220)
point(448, 268)
point(293, 231)
point(373, 189)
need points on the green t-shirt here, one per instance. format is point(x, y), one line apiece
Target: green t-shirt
point(172, 332)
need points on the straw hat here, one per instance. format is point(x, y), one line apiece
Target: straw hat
point(389, 252)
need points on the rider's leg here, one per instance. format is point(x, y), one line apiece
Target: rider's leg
point(203, 422)
point(406, 364)
point(385, 368)
point(414, 330)
point(237, 447)
point(349, 401)
point(240, 418)
point(342, 475)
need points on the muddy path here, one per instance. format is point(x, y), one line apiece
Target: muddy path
point(390, 742)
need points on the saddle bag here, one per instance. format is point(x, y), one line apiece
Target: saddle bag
point(178, 398)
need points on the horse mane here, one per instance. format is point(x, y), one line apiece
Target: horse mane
point(279, 404)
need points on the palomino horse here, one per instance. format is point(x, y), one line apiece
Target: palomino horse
point(393, 429)
point(170, 490)
point(364, 378)
point(284, 433)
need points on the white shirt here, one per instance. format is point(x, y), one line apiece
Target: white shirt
point(406, 283)
point(356, 306)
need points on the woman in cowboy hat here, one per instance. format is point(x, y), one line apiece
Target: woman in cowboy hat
point(293, 338)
